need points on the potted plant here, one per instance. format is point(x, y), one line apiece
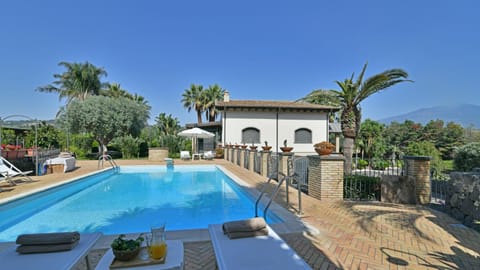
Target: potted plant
point(266, 147)
point(125, 250)
point(286, 148)
point(324, 148)
point(253, 147)
point(219, 152)
point(244, 146)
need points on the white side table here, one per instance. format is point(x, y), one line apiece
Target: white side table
point(174, 260)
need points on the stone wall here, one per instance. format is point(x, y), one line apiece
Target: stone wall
point(157, 154)
point(463, 198)
point(412, 188)
point(398, 189)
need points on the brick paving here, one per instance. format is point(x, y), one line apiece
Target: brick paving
point(350, 235)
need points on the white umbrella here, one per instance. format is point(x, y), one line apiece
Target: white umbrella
point(196, 133)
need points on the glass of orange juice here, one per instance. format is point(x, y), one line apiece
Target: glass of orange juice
point(157, 247)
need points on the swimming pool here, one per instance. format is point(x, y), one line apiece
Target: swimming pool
point(131, 200)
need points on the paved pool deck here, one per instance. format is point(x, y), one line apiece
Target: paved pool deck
point(336, 235)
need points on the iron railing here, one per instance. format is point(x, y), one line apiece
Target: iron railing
point(361, 188)
point(439, 192)
point(257, 162)
point(238, 157)
point(246, 159)
point(272, 168)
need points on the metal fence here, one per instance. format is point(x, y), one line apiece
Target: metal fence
point(238, 157)
point(298, 171)
point(257, 162)
point(246, 159)
point(272, 168)
point(378, 173)
point(439, 189)
point(361, 188)
point(29, 163)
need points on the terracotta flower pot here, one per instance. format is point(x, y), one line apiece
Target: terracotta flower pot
point(266, 148)
point(253, 148)
point(286, 149)
point(323, 151)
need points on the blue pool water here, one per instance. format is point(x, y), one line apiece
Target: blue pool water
point(131, 200)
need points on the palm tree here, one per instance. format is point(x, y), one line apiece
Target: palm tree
point(79, 81)
point(115, 90)
point(211, 95)
point(193, 98)
point(167, 124)
point(351, 94)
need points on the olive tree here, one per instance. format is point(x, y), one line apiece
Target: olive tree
point(106, 118)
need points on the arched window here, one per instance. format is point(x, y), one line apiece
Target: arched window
point(303, 135)
point(250, 135)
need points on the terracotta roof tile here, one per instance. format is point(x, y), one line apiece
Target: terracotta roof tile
point(272, 104)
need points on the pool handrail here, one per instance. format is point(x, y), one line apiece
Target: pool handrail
point(106, 157)
point(272, 196)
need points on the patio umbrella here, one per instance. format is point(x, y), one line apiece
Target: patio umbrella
point(196, 133)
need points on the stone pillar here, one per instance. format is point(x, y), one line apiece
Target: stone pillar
point(265, 155)
point(325, 177)
point(283, 164)
point(418, 167)
point(251, 160)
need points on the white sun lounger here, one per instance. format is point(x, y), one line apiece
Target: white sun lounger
point(261, 252)
point(185, 155)
point(10, 259)
point(9, 171)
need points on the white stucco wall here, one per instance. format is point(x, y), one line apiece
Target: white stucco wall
point(288, 122)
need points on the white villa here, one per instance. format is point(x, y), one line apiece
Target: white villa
point(255, 121)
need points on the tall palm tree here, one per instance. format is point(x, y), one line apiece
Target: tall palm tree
point(211, 95)
point(79, 81)
point(351, 94)
point(193, 98)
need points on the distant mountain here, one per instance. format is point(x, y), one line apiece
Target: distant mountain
point(25, 124)
point(463, 114)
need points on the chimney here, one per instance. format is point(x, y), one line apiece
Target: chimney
point(226, 96)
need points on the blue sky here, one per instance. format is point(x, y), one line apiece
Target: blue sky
point(267, 50)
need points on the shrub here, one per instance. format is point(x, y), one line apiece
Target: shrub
point(362, 164)
point(129, 146)
point(379, 164)
point(426, 148)
point(143, 149)
point(467, 157)
point(219, 152)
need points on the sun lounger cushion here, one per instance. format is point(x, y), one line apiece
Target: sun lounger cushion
point(28, 249)
point(47, 242)
point(245, 228)
point(48, 238)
